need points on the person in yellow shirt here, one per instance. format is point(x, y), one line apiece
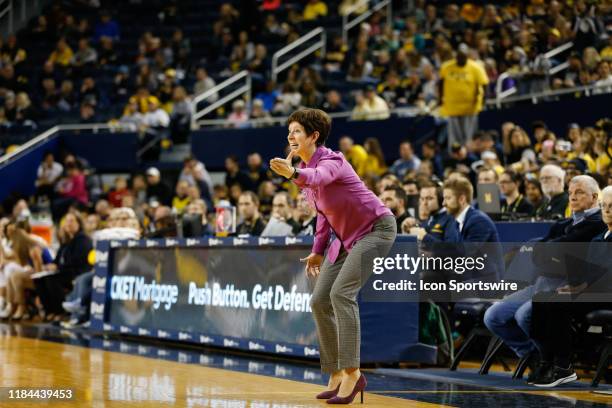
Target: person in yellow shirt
point(376, 165)
point(181, 200)
point(314, 9)
point(355, 154)
point(462, 84)
point(62, 55)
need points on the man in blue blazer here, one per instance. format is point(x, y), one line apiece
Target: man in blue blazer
point(476, 229)
point(510, 319)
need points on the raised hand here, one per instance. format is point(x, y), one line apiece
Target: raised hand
point(283, 167)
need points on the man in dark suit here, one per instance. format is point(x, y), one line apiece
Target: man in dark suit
point(475, 228)
point(510, 319)
point(554, 335)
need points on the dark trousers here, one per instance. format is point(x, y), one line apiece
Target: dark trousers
point(52, 291)
point(551, 325)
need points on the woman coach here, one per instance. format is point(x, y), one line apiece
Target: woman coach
point(360, 222)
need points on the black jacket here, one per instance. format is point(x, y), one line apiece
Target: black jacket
point(72, 257)
point(555, 208)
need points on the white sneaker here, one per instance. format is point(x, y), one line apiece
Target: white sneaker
point(7, 311)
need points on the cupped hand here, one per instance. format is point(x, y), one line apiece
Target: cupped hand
point(283, 167)
point(313, 264)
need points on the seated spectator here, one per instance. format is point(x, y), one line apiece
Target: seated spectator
point(204, 83)
point(248, 209)
point(518, 151)
point(346, 5)
point(29, 257)
point(180, 117)
point(108, 57)
point(333, 102)
point(89, 93)
point(122, 224)
point(265, 193)
point(157, 190)
point(106, 27)
point(436, 224)
point(510, 319)
point(70, 262)
point(376, 159)
point(314, 9)
point(394, 198)
point(239, 116)
point(181, 198)
point(62, 55)
point(49, 97)
point(288, 101)
point(11, 53)
point(198, 207)
point(370, 106)
point(552, 178)
point(257, 172)
point(305, 216)
point(85, 56)
point(355, 154)
point(154, 126)
point(233, 174)
point(67, 99)
point(25, 113)
point(49, 172)
point(510, 184)
point(555, 336)
point(281, 221)
point(120, 190)
point(259, 117)
point(71, 190)
point(534, 194)
point(87, 113)
point(407, 162)
point(164, 223)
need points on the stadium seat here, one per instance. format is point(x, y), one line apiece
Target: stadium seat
point(602, 318)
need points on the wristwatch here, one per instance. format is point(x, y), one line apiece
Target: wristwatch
point(295, 174)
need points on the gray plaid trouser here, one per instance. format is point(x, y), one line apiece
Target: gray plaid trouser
point(334, 298)
point(461, 129)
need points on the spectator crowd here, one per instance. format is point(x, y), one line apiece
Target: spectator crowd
point(79, 62)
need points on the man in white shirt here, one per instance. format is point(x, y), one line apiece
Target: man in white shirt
point(48, 173)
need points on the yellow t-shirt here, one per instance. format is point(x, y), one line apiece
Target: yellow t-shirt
point(314, 11)
point(63, 58)
point(358, 157)
point(374, 166)
point(179, 204)
point(462, 88)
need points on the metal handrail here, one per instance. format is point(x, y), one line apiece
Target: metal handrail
point(558, 50)
point(48, 134)
point(245, 89)
point(535, 97)
point(500, 95)
point(319, 45)
point(7, 10)
point(17, 13)
point(411, 111)
point(347, 25)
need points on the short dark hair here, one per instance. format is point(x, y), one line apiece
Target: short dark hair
point(400, 194)
point(514, 177)
point(254, 198)
point(437, 186)
point(313, 120)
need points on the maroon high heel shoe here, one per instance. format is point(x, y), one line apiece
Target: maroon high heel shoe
point(328, 394)
point(359, 387)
